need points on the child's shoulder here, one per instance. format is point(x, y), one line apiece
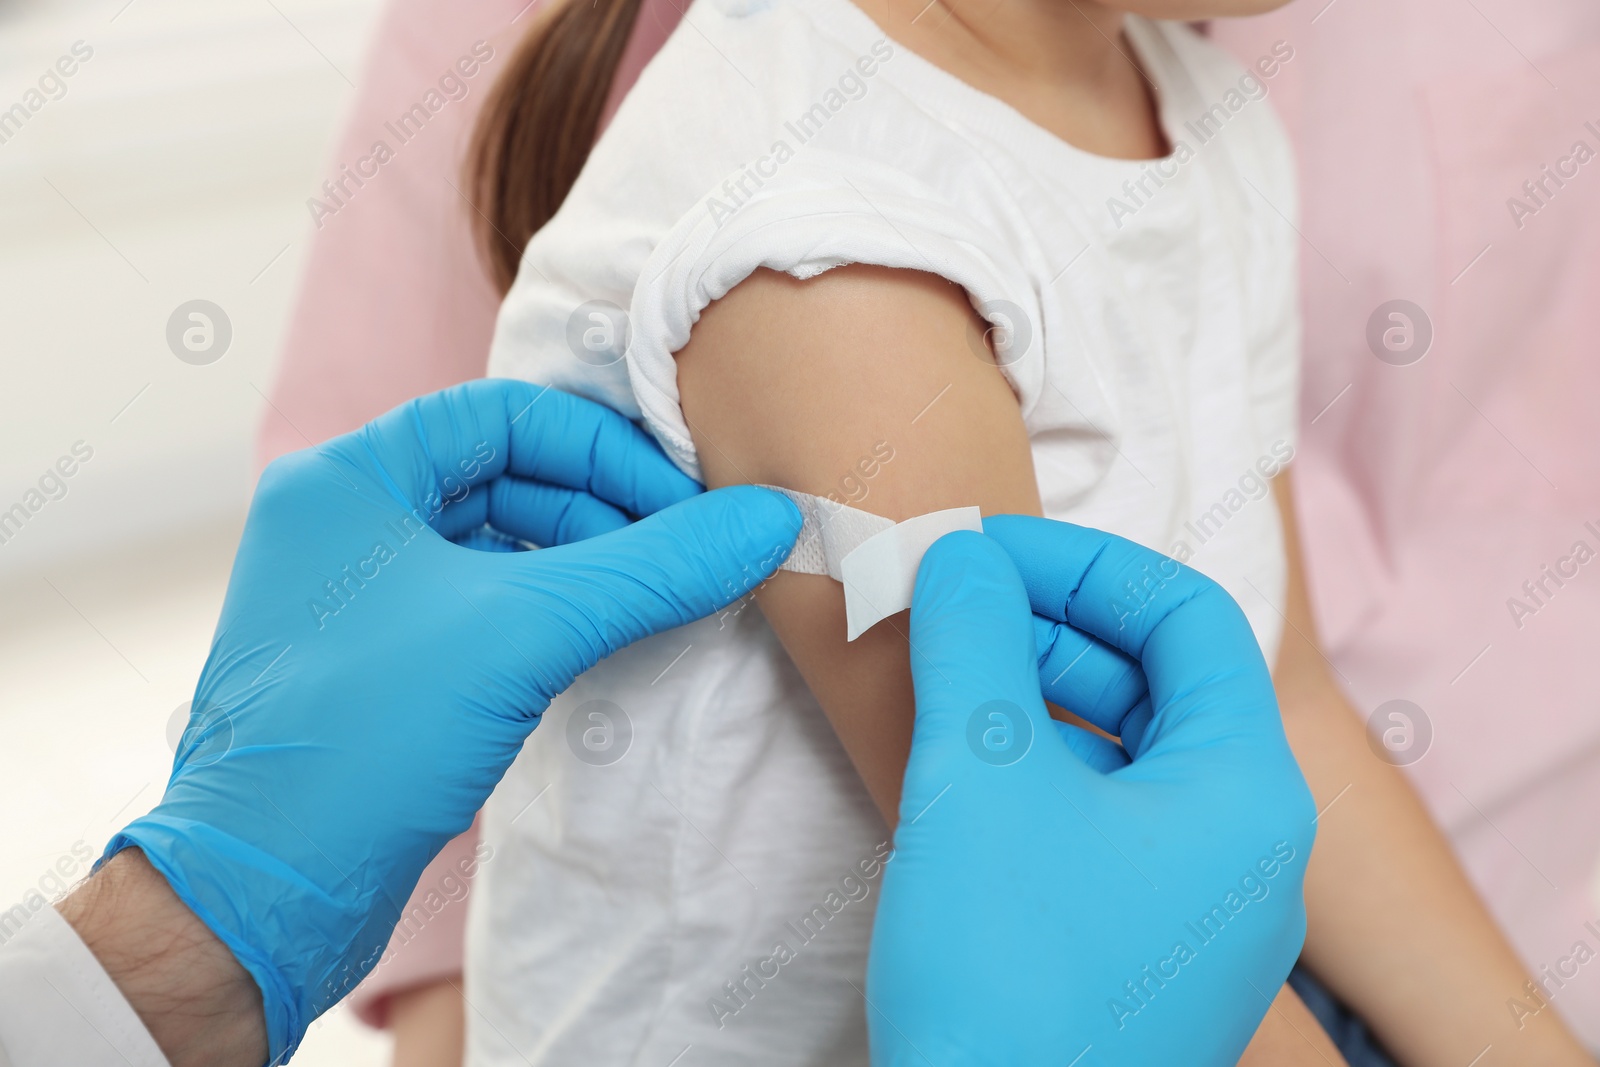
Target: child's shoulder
point(1213, 69)
point(1219, 108)
point(738, 80)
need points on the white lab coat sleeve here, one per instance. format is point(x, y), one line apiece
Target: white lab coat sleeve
point(59, 1006)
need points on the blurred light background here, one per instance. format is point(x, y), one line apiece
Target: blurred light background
point(172, 165)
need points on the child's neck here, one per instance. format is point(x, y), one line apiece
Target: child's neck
point(1065, 64)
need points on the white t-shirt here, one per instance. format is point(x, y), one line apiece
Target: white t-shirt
point(709, 894)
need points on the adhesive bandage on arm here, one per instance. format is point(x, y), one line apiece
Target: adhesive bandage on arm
point(875, 558)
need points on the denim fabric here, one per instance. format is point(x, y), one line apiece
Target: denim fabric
point(1348, 1030)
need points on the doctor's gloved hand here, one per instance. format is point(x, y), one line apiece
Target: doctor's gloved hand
point(370, 681)
point(1040, 908)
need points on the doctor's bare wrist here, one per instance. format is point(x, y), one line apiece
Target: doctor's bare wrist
point(194, 998)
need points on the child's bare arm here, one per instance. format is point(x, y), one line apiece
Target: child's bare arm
point(810, 385)
point(1393, 927)
point(870, 385)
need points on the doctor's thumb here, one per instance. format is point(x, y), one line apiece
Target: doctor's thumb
point(973, 663)
point(681, 564)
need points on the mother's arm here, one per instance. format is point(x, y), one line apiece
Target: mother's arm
point(1394, 928)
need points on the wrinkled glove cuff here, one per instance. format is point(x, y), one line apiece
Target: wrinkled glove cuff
point(296, 948)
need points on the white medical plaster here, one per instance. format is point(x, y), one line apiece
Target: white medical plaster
point(875, 558)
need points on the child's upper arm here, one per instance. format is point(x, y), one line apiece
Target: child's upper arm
point(874, 386)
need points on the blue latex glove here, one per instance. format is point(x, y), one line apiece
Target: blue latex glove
point(370, 681)
point(1041, 911)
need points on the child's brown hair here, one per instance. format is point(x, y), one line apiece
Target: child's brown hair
point(539, 124)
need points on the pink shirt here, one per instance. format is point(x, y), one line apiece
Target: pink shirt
point(1429, 493)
